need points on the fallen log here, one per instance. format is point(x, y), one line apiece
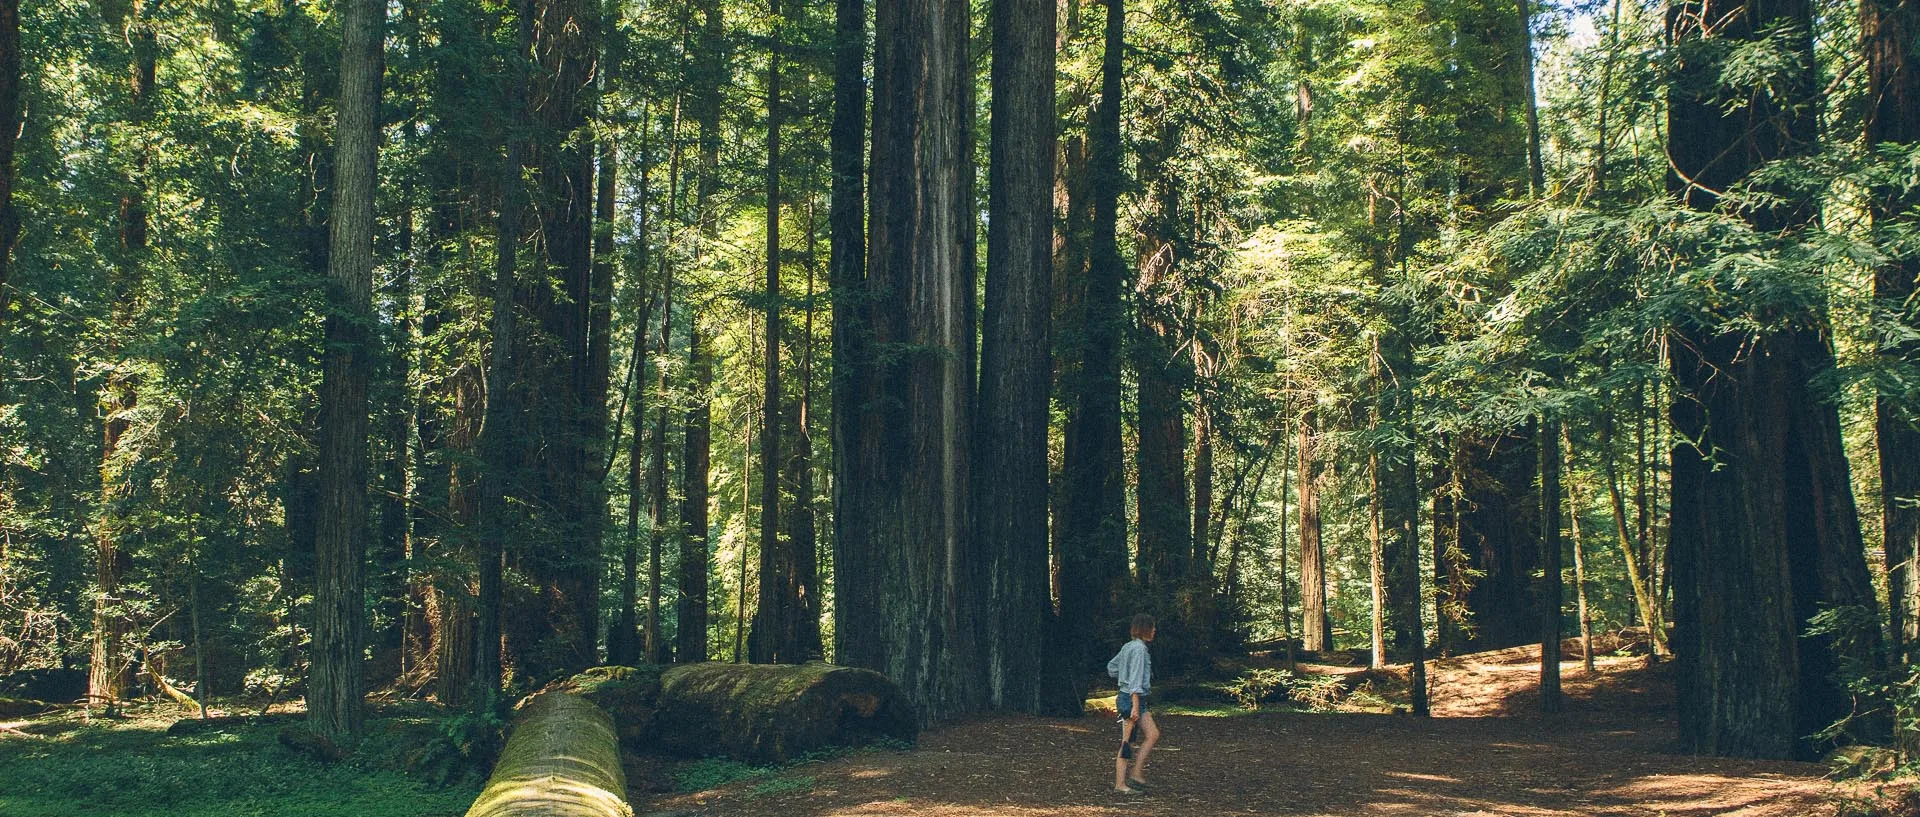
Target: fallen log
point(630, 694)
point(562, 759)
point(772, 713)
point(22, 707)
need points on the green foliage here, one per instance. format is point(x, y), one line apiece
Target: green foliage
point(1256, 686)
point(133, 769)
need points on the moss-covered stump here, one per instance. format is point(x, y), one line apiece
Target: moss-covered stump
point(562, 760)
point(770, 713)
point(630, 694)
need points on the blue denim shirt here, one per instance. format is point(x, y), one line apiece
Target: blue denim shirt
point(1132, 667)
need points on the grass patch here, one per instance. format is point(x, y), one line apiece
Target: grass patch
point(782, 785)
point(712, 773)
point(132, 768)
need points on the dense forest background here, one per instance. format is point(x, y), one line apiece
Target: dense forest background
point(446, 347)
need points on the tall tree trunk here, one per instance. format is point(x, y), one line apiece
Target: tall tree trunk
point(108, 675)
point(775, 628)
point(846, 283)
point(1016, 362)
point(1316, 619)
point(1091, 541)
point(800, 520)
point(456, 637)
point(337, 681)
point(1163, 547)
point(1888, 29)
point(1551, 594)
point(501, 447)
point(1579, 555)
point(1492, 600)
point(710, 66)
point(696, 463)
point(9, 134)
point(916, 620)
point(1643, 597)
point(1764, 529)
point(623, 640)
point(654, 643)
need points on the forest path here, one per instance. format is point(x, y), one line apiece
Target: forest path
point(1487, 752)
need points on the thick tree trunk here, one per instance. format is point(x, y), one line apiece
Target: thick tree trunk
point(623, 639)
point(1016, 366)
point(1316, 619)
point(1163, 544)
point(455, 639)
point(772, 714)
point(1888, 29)
point(846, 283)
point(696, 463)
point(654, 644)
point(1764, 529)
point(1498, 519)
point(1091, 538)
point(337, 681)
point(916, 617)
point(776, 626)
point(800, 521)
point(561, 760)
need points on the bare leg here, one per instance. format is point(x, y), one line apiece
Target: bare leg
point(1146, 746)
point(1119, 760)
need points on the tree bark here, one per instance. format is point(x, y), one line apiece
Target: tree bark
point(9, 135)
point(1764, 529)
point(776, 626)
point(916, 618)
point(338, 680)
point(1888, 29)
point(846, 283)
point(1316, 620)
point(1091, 537)
point(696, 466)
point(1551, 594)
point(1579, 556)
point(1643, 597)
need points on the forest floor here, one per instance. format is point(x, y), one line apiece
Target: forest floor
point(1486, 751)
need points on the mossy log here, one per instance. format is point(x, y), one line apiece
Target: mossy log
point(562, 759)
point(771, 713)
point(630, 694)
point(22, 707)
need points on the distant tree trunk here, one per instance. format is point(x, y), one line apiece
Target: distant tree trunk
point(623, 640)
point(1579, 556)
point(801, 537)
point(9, 134)
point(710, 69)
point(846, 279)
point(1163, 547)
point(1498, 520)
point(1551, 594)
point(1202, 479)
point(1764, 529)
point(1643, 597)
point(337, 682)
point(776, 630)
point(1091, 538)
point(500, 444)
point(696, 463)
point(915, 618)
point(108, 676)
point(1888, 29)
point(1016, 365)
point(1316, 620)
point(1376, 563)
point(654, 644)
point(1449, 561)
point(456, 639)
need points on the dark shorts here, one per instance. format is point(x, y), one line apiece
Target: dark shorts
point(1124, 703)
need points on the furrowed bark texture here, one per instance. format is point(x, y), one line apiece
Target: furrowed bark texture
point(337, 681)
point(764, 713)
point(1888, 29)
point(1764, 529)
point(1016, 365)
point(912, 609)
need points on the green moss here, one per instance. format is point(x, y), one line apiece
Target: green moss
point(134, 769)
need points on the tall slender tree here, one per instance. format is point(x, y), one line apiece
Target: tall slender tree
point(338, 678)
point(1016, 367)
point(9, 135)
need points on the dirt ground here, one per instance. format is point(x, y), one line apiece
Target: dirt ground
point(1487, 751)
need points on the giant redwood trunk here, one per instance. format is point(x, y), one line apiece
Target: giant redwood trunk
point(1764, 530)
point(911, 610)
point(846, 277)
point(1888, 29)
point(1090, 542)
point(1016, 366)
point(556, 629)
point(337, 680)
point(690, 643)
